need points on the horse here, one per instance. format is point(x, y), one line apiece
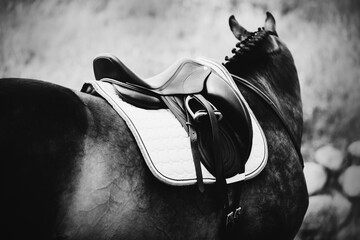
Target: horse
point(71, 168)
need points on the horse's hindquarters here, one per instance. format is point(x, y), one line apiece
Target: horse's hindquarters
point(41, 134)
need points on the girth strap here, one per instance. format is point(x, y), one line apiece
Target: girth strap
point(195, 151)
point(215, 151)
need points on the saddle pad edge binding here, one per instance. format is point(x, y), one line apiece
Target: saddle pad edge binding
point(252, 168)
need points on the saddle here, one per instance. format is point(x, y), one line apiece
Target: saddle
point(206, 105)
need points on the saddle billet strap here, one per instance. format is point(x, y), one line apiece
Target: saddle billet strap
point(268, 100)
point(216, 154)
point(195, 151)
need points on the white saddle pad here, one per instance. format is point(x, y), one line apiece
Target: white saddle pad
point(165, 145)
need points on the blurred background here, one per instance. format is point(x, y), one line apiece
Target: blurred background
point(56, 41)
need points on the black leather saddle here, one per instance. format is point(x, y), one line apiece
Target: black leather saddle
point(216, 119)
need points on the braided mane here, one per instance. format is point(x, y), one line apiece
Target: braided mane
point(247, 45)
point(254, 47)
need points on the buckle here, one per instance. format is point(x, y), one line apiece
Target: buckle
point(233, 216)
point(199, 112)
point(237, 213)
point(230, 218)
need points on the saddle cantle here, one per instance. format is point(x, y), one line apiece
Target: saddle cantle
point(208, 106)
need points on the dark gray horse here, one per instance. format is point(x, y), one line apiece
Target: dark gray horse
point(71, 168)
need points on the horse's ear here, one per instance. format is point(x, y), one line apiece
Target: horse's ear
point(273, 46)
point(239, 32)
point(270, 24)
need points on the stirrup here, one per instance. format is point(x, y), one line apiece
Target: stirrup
point(199, 111)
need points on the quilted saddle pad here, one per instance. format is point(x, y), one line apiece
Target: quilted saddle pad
point(165, 145)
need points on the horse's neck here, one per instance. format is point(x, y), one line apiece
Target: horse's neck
point(284, 91)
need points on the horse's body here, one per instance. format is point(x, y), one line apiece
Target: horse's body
point(71, 169)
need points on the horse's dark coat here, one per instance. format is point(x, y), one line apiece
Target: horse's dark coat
point(71, 168)
point(41, 130)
